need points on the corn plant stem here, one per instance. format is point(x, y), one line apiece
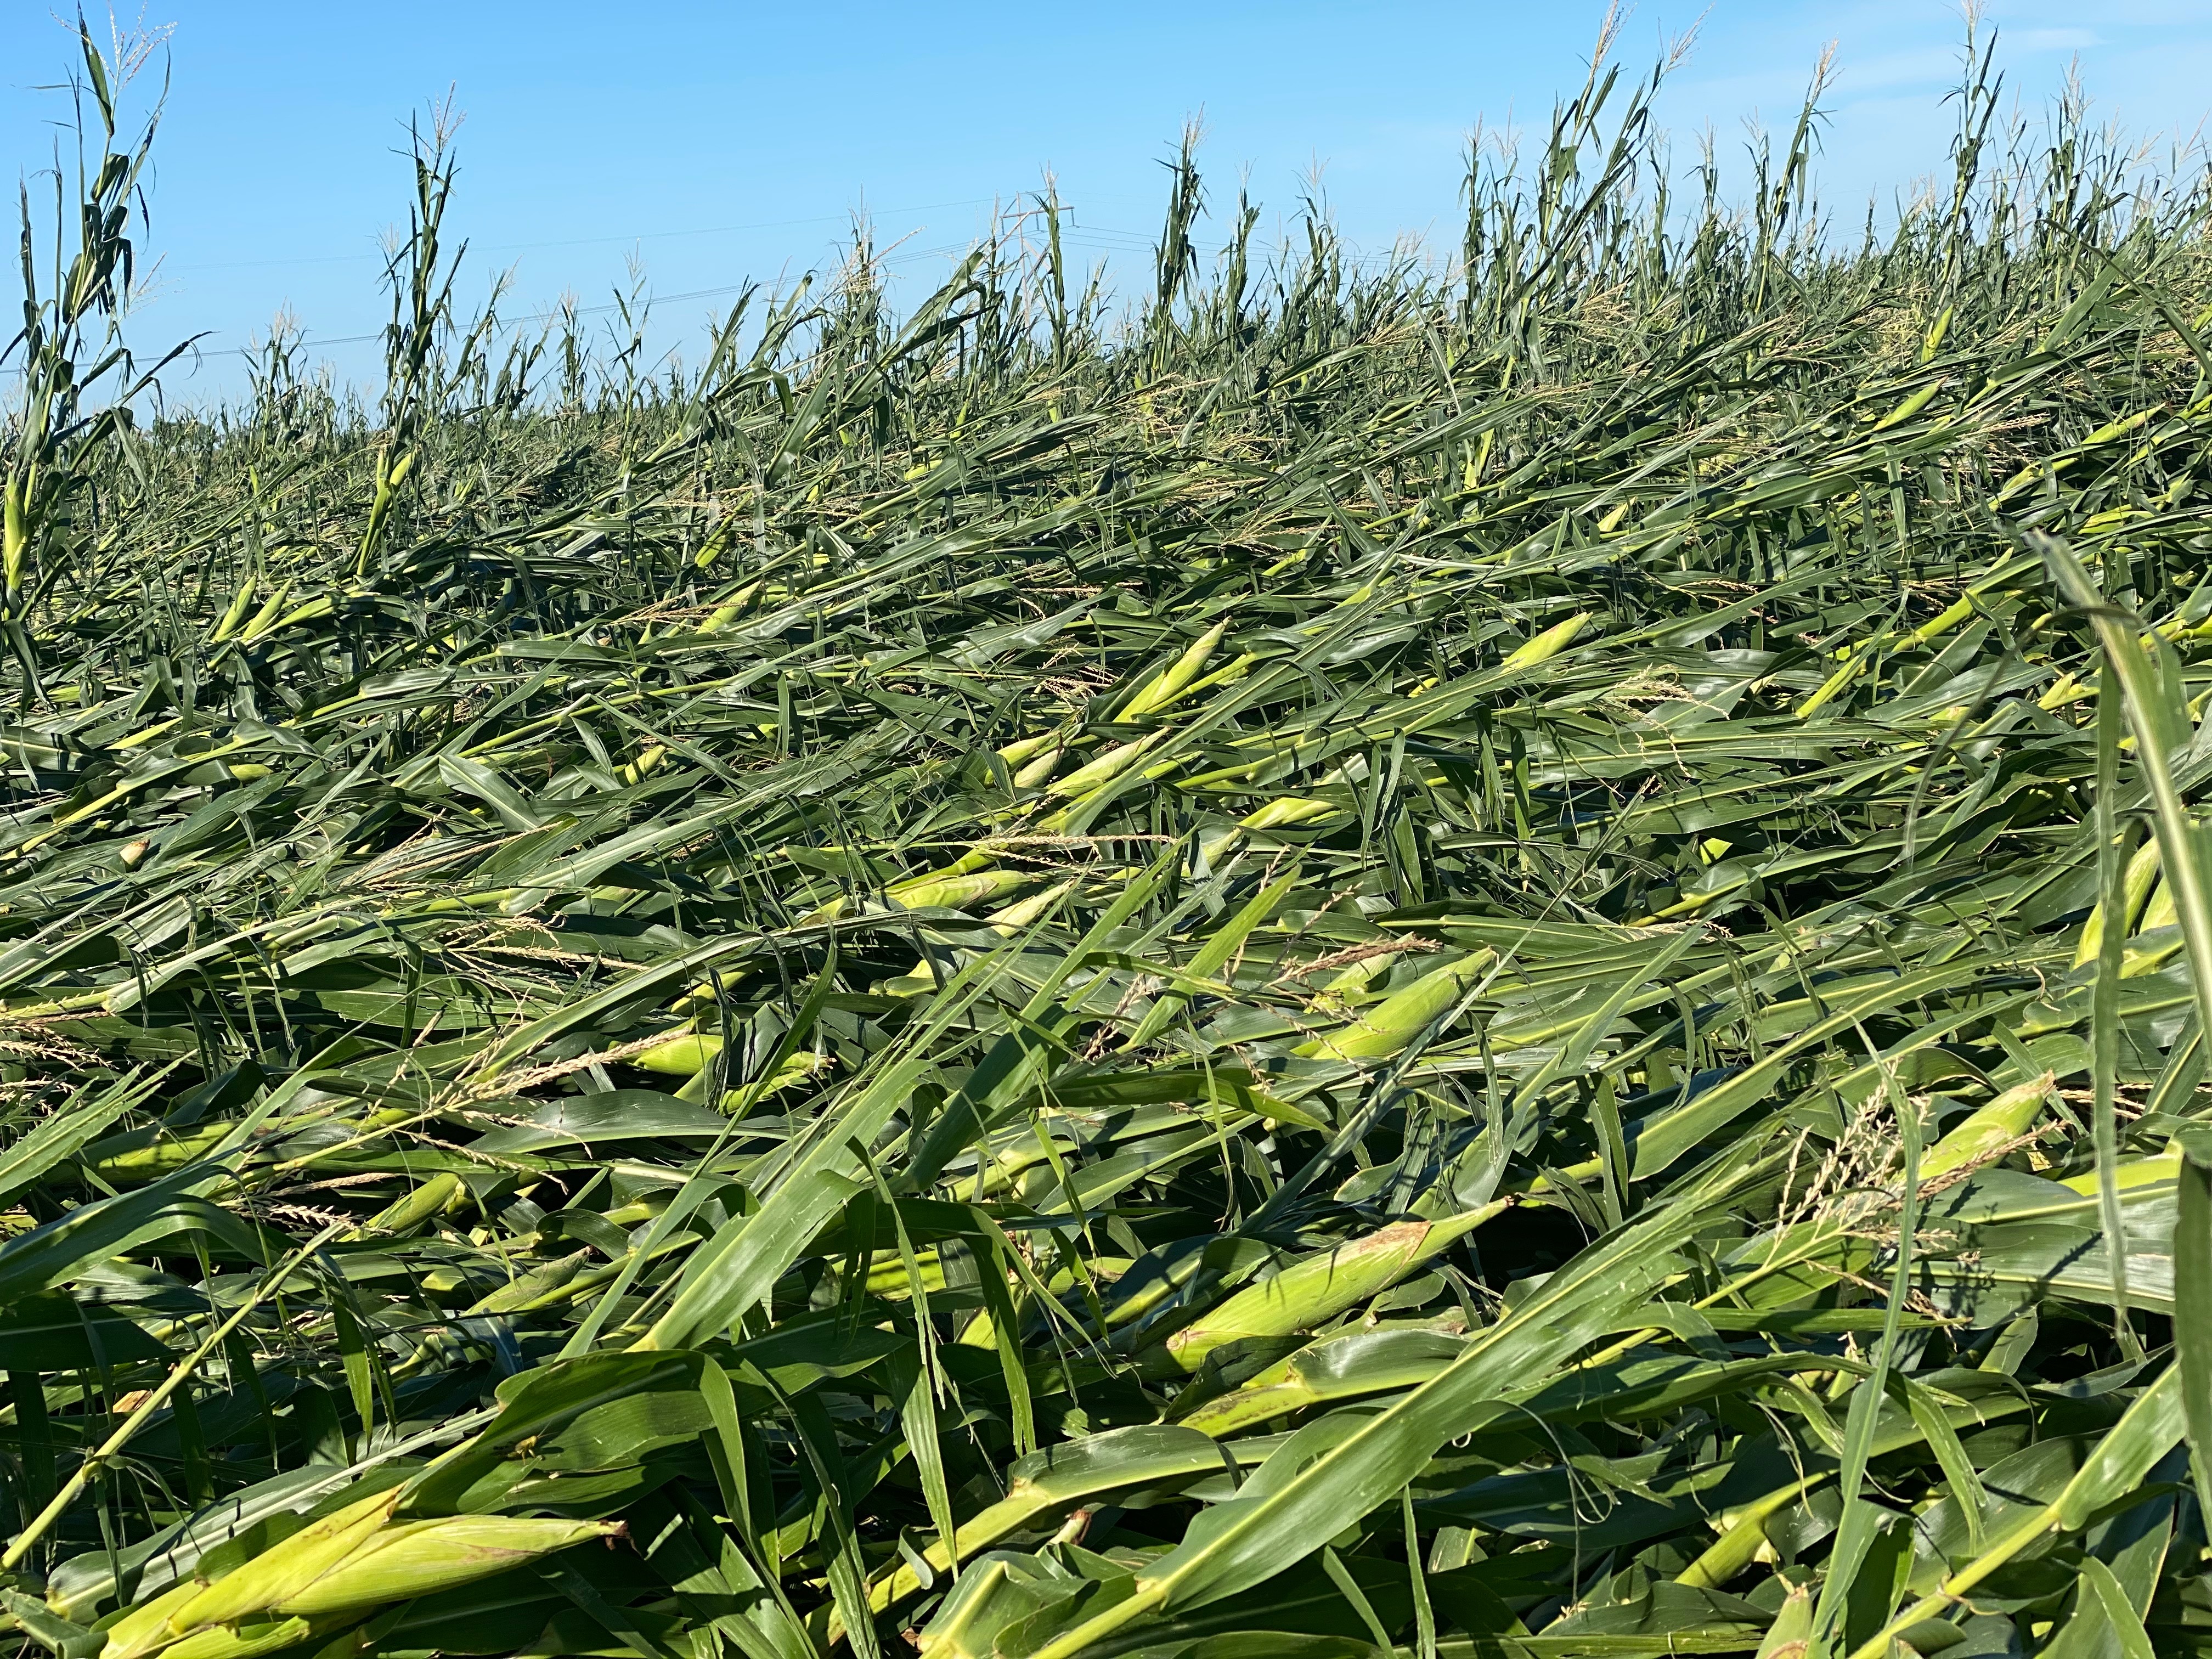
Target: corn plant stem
point(181, 1372)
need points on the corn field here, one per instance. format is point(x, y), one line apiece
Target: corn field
point(1344, 958)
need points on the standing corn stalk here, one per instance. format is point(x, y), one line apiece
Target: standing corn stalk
point(1175, 261)
point(74, 315)
point(422, 282)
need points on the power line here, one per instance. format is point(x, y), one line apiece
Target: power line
point(1103, 238)
point(539, 317)
point(586, 241)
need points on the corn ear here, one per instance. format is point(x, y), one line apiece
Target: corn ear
point(2142, 870)
point(1169, 681)
point(235, 614)
point(685, 1056)
point(732, 608)
point(2158, 914)
point(1743, 1537)
point(1549, 643)
point(707, 991)
point(523, 1289)
point(795, 1070)
point(1285, 811)
point(1106, 768)
point(145, 1629)
point(1396, 1021)
point(920, 982)
point(424, 1556)
point(957, 892)
point(265, 616)
point(649, 760)
point(1316, 1290)
point(135, 1166)
point(240, 1641)
point(2160, 911)
point(288, 1566)
point(1359, 976)
point(2003, 1121)
point(440, 1194)
point(1790, 1635)
point(1022, 912)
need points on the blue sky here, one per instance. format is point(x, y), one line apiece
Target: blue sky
point(714, 143)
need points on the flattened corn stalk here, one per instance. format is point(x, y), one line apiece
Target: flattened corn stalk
point(1256, 981)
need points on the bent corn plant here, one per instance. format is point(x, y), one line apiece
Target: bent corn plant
point(1379, 961)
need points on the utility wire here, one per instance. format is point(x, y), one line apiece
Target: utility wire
point(1101, 239)
point(585, 241)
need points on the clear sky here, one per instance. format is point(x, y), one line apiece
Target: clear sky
point(711, 142)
